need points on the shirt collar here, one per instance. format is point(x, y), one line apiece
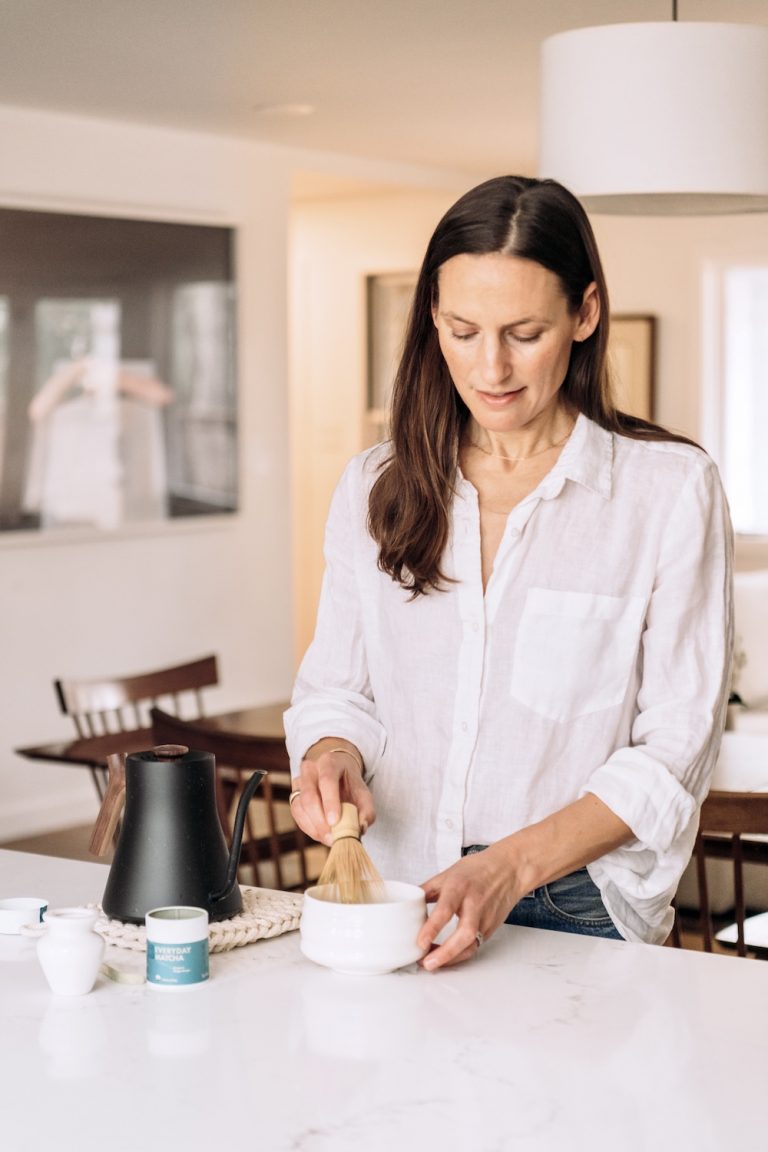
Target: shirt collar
point(587, 458)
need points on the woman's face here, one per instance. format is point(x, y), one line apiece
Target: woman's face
point(506, 332)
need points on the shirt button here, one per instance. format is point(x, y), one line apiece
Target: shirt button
point(449, 825)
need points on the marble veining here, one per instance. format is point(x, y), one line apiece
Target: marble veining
point(545, 1041)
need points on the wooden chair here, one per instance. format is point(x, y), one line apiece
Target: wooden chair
point(121, 704)
point(275, 852)
point(730, 821)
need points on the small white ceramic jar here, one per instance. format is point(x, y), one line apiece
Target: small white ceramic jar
point(70, 951)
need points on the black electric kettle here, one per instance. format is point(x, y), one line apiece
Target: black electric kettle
point(171, 849)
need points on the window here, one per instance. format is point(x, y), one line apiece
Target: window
point(736, 388)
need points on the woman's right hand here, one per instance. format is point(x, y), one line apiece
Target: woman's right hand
point(330, 774)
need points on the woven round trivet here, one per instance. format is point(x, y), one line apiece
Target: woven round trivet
point(265, 913)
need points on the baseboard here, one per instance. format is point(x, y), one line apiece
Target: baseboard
point(36, 815)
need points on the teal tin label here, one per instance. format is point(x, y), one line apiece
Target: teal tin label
point(174, 965)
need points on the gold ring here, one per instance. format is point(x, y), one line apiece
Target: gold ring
point(293, 796)
point(479, 938)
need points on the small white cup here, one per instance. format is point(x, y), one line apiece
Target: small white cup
point(177, 947)
point(363, 939)
point(18, 911)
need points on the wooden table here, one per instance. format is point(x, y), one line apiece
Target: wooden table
point(261, 724)
point(261, 727)
point(741, 767)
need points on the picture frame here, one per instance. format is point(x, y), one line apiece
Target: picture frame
point(632, 361)
point(388, 299)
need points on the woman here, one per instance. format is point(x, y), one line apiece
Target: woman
point(523, 644)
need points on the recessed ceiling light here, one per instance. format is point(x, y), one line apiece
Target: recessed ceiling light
point(284, 109)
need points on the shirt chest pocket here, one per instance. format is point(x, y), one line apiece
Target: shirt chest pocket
point(575, 651)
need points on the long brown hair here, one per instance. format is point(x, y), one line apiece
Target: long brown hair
point(539, 220)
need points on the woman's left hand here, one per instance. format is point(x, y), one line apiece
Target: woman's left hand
point(480, 889)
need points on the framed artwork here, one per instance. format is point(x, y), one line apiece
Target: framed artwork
point(631, 352)
point(388, 302)
point(118, 397)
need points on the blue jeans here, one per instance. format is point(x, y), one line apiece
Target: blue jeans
point(571, 904)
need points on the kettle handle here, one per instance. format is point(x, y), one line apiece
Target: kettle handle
point(237, 835)
point(111, 805)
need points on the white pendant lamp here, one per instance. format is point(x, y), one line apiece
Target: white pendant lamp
point(658, 118)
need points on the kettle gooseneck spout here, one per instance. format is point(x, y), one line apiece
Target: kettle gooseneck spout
point(237, 836)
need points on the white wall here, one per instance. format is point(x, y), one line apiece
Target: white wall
point(658, 266)
point(335, 244)
point(139, 602)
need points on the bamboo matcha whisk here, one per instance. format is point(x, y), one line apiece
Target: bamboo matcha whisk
point(349, 869)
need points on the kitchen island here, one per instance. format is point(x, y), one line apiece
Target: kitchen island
point(544, 1042)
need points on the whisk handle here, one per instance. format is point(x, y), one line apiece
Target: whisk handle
point(348, 824)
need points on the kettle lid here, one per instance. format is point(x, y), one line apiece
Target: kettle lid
point(163, 753)
point(166, 752)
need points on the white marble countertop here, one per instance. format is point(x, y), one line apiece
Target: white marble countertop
point(546, 1042)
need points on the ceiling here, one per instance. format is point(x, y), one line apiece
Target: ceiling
point(452, 83)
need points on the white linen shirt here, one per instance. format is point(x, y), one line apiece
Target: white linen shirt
point(597, 660)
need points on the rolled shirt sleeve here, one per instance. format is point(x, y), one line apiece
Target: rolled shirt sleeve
point(658, 782)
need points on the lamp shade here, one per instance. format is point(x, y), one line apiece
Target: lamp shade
point(658, 119)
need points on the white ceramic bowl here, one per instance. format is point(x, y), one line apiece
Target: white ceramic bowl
point(364, 939)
